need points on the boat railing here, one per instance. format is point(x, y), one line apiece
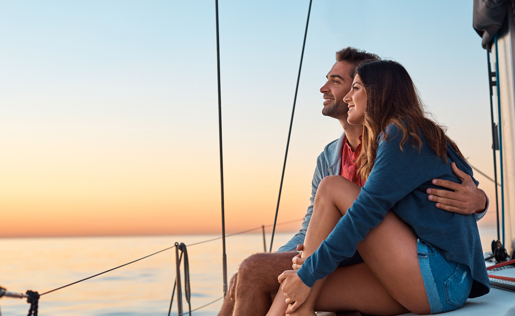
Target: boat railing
point(181, 258)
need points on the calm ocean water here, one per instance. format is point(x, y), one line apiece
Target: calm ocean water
point(142, 288)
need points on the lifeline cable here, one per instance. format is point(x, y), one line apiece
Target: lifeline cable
point(200, 307)
point(243, 232)
point(291, 124)
point(31, 299)
point(155, 253)
point(90, 277)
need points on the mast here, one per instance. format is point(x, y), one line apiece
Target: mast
point(503, 53)
point(495, 23)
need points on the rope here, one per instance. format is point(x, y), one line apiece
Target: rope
point(187, 286)
point(32, 299)
point(506, 281)
point(224, 256)
point(499, 265)
point(291, 125)
point(500, 277)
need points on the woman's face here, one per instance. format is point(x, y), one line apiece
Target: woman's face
point(357, 101)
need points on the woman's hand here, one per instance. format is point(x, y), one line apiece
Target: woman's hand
point(294, 290)
point(297, 261)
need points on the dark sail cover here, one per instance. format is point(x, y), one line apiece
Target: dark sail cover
point(488, 18)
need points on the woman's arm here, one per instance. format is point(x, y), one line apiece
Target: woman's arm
point(396, 173)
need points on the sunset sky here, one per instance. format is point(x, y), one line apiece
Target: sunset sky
point(108, 109)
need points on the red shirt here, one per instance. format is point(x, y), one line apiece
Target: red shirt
point(349, 167)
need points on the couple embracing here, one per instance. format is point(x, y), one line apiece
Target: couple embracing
point(392, 225)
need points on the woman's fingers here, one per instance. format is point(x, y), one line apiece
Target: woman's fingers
point(297, 262)
point(292, 307)
point(281, 277)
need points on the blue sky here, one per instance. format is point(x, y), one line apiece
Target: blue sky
point(110, 107)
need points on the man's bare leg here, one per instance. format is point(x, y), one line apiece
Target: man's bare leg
point(228, 303)
point(256, 283)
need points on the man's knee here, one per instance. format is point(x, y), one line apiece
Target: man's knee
point(254, 264)
point(262, 269)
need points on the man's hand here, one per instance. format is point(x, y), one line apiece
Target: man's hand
point(232, 286)
point(297, 261)
point(294, 290)
point(465, 198)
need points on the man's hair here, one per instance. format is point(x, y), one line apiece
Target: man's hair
point(355, 57)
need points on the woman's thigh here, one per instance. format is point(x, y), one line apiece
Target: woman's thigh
point(389, 250)
point(356, 288)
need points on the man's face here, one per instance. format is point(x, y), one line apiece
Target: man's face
point(338, 84)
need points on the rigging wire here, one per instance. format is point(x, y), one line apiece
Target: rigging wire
point(500, 136)
point(291, 124)
point(483, 174)
point(495, 139)
point(224, 256)
point(173, 291)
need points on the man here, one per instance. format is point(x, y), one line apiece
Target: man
point(252, 289)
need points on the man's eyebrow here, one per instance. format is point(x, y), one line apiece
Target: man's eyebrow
point(334, 76)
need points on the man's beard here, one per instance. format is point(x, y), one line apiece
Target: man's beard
point(335, 110)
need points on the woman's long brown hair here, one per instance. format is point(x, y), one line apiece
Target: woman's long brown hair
point(393, 99)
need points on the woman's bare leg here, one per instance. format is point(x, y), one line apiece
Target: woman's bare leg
point(324, 219)
point(387, 248)
point(278, 305)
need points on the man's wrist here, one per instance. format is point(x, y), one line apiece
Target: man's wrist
point(485, 205)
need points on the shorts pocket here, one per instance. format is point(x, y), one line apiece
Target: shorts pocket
point(458, 285)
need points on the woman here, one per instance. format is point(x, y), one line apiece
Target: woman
point(416, 257)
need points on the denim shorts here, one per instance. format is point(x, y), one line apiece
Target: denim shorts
point(447, 283)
